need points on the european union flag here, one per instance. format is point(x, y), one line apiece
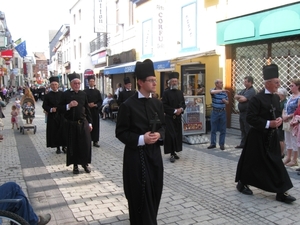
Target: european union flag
point(21, 49)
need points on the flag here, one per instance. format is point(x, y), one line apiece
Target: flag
point(21, 49)
point(17, 42)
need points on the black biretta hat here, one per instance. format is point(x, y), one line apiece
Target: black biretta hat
point(173, 75)
point(53, 79)
point(91, 77)
point(144, 69)
point(73, 76)
point(270, 71)
point(127, 80)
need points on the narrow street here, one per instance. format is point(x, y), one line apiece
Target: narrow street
point(199, 188)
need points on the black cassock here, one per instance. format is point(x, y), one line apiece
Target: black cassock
point(93, 95)
point(173, 99)
point(124, 95)
point(77, 121)
point(55, 128)
point(141, 165)
point(260, 164)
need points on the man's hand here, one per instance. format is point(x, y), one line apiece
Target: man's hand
point(179, 111)
point(91, 128)
point(73, 103)
point(92, 104)
point(151, 138)
point(276, 123)
point(54, 109)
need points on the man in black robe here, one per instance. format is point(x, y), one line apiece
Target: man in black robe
point(174, 106)
point(140, 126)
point(95, 102)
point(260, 164)
point(78, 125)
point(55, 120)
point(127, 92)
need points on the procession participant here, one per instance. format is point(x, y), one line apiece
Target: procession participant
point(140, 126)
point(174, 106)
point(260, 164)
point(55, 129)
point(127, 92)
point(78, 125)
point(95, 102)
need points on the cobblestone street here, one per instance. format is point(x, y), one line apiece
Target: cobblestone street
point(199, 188)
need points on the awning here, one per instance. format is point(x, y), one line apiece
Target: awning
point(129, 67)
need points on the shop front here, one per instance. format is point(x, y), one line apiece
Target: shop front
point(99, 61)
point(257, 44)
point(119, 72)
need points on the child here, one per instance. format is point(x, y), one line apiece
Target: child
point(28, 110)
point(18, 104)
point(14, 117)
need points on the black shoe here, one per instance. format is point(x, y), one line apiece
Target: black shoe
point(44, 219)
point(211, 146)
point(176, 156)
point(285, 197)
point(172, 159)
point(58, 151)
point(64, 149)
point(298, 173)
point(243, 188)
point(86, 168)
point(239, 146)
point(222, 147)
point(298, 170)
point(75, 169)
point(96, 144)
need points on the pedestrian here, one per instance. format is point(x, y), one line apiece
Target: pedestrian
point(174, 106)
point(140, 126)
point(127, 92)
point(55, 135)
point(260, 164)
point(11, 190)
point(291, 158)
point(2, 105)
point(78, 125)
point(95, 102)
point(105, 111)
point(282, 93)
point(18, 104)
point(218, 115)
point(243, 98)
point(14, 117)
point(119, 88)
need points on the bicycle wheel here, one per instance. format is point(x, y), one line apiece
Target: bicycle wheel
point(9, 218)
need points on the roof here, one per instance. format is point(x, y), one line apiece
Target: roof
point(39, 56)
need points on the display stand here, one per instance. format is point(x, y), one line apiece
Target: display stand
point(194, 120)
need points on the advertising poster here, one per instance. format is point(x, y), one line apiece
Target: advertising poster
point(193, 119)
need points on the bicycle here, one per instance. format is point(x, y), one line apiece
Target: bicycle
point(10, 218)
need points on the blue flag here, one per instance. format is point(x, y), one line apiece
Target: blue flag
point(21, 49)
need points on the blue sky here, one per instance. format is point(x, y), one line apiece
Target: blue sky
point(31, 20)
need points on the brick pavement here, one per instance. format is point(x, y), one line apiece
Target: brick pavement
point(198, 189)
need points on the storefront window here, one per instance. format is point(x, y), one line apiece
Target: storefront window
point(193, 80)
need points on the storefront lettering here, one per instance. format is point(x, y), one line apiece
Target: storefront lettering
point(129, 69)
point(160, 27)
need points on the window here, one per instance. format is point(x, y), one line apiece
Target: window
point(79, 47)
point(117, 16)
point(79, 14)
point(131, 13)
point(75, 50)
point(74, 19)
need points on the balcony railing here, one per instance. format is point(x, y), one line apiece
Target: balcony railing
point(102, 41)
